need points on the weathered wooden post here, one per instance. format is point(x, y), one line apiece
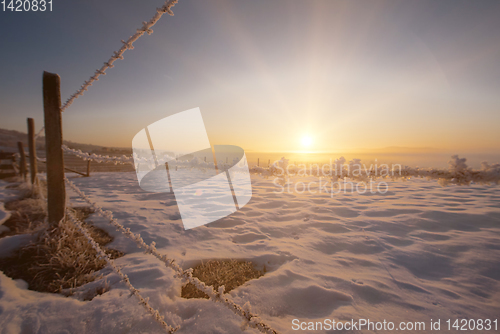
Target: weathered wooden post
point(56, 191)
point(88, 168)
point(32, 150)
point(22, 161)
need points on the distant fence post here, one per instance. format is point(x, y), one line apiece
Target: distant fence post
point(32, 150)
point(56, 191)
point(22, 161)
point(88, 168)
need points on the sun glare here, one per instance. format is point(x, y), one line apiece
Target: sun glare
point(306, 141)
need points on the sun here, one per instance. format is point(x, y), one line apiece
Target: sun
point(306, 141)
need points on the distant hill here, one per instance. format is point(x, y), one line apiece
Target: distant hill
point(9, 139)
point(398, 149)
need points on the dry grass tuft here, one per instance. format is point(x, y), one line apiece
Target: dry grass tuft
point(61, 258)
point(230, 273)
point(27, 216)
point(41, 189)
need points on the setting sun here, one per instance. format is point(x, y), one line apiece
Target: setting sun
point(306, 141)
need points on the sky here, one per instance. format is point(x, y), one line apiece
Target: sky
point(267, 75)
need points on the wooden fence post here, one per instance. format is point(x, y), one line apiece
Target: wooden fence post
point(32, 150)
point(56, 190)
point(22, 161)
point(88, 168)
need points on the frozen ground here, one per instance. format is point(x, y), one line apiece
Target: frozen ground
point(416, 253)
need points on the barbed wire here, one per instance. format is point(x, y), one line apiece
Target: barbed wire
point(39, 191)
point(217, 297)
point(457, 173)
point(124, 159)
point(39, 133)
point(143, 301)
point(127, 45)
point(135, 160)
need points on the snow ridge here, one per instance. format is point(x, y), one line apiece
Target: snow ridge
point(143, 301)
point(219, 296)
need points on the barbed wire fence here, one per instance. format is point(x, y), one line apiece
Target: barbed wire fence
point(53, 134)
point(458, 172)
point(101, 254)
point(218, 297)
point(127, 45)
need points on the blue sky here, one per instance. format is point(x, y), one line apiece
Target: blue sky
point(348, 74)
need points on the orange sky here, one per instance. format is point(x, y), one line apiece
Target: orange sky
point(265, 74)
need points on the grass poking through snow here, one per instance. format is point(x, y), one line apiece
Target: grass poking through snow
point(61, 258)
point(230, 273)
point(27, 216)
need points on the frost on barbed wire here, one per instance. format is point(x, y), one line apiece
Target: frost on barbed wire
point(126, 160)
point(39, 191)
point(195, 162)
point(237, 166)
point(39, 133)
point(127, 45)
point(187, 275)
point(278, 168)
point(143, 301)
point(457, 173)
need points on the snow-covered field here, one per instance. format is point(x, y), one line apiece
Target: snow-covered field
point(416, 253)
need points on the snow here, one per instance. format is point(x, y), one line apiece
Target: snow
point(10, 243)
point(4, 216)
point(418, 252)
point(6, 195)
